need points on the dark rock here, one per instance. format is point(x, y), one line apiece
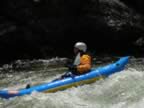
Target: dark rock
point(47, 28)
point(135, 4)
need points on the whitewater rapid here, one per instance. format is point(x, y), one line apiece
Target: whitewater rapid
point(121, 90)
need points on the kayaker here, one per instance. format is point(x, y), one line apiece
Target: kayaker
point(82, 63)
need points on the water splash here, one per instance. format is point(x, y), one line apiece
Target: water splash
point(121, 90)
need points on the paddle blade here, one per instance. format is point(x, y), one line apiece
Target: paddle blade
point(77, 59)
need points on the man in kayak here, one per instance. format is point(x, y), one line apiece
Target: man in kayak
point(82, 63)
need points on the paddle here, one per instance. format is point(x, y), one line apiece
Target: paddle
point(77, 60)
point(75, 63)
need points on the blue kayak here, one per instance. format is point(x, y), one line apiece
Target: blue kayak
point(92, 76)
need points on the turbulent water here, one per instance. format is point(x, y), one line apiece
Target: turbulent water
point(121, 90)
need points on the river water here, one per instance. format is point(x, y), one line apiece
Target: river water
point(121, 90)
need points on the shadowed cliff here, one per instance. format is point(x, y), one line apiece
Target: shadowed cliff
point(46, 28)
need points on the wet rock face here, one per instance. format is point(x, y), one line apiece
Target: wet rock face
point(41, 28)
point(136, 4)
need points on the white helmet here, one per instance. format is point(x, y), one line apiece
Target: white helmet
point(81, 46)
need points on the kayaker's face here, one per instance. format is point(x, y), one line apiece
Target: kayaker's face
point(76, 50)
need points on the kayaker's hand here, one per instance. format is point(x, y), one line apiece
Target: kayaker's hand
point(68, 62)
point(72, 68)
